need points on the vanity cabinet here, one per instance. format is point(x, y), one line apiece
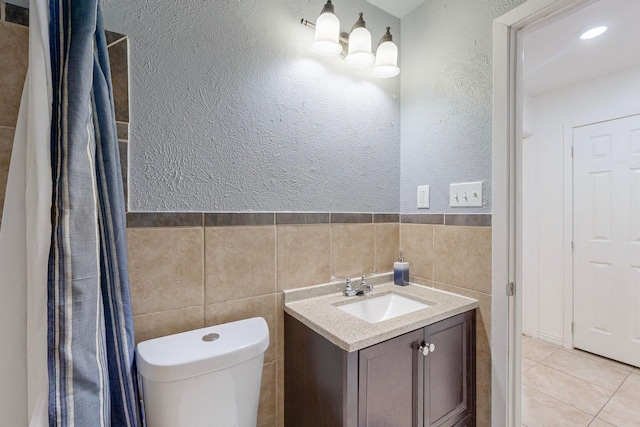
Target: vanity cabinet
point(395, 383)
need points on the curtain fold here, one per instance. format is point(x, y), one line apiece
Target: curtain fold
point(92, 375)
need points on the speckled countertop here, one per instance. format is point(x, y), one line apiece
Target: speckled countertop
point(316, 307)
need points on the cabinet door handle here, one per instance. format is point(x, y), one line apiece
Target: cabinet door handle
point(426, 348)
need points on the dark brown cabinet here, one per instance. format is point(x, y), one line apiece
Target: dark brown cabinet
point(395, 383)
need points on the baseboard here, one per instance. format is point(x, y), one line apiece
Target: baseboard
point(553, 339)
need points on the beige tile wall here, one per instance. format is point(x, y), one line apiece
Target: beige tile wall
point(184, 278)
point(457, 259)
point(14, 41)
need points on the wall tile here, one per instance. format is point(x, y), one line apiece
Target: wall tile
point(386, 217)
point(351, 218)
point(471, 220)
point(304, 254)
point(267, 407)
point(154, 325)
point(302, 218)
point(279, 338)
point(387, 246)
point(416, 243)
point(483, 393)
point(163, 219)
point(239, 262)
point(123, 131)
point(422, 218)
point(16, 14)
point(352, 249)
point(280, 392)
point(230, 311)
point(420, 281)
point(6, 143)
point(165, 268)
point(463, 257)
point(14, 45)
point(238, 218)
point(119, 63)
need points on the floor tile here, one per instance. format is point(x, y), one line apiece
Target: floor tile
point(624, 407)
point(600, 359)
point(588, 369)
point(636, 371)
point(539, 410)
point(597, 422)
point(574, 391)
point(527, 364)
point(536, 350)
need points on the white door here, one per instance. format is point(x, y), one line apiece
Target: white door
point(606, 180)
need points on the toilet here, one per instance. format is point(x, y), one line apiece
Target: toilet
point(208, 377)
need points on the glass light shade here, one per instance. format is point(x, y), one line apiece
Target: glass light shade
point(386, 60)
point(327, 35)
point(360, 55)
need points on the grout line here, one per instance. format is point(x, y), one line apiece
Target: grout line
point(613, 394)
point(583, 379)
point(558, 400)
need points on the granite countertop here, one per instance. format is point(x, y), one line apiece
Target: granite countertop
point(316, 307)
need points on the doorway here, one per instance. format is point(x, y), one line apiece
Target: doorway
point(508, 229)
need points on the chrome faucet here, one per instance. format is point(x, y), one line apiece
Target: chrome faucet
point(361, 289)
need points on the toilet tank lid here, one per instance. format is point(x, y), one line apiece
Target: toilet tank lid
point(189, 354)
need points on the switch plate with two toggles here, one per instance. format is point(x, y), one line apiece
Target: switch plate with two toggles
point(465, 195)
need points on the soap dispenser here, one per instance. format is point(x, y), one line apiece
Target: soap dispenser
point(401, 271)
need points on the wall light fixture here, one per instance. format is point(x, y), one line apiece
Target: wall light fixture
point(354, 47)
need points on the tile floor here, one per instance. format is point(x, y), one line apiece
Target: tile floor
point(563, 387)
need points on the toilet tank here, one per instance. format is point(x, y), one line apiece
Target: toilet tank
point(206, 377)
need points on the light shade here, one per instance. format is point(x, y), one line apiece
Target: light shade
point(386, 57)
point(359, 55)
point(326, 42)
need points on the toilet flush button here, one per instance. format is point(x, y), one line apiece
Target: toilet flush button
point(210, 337)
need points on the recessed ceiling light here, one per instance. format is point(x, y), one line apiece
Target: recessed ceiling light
point(593, 32)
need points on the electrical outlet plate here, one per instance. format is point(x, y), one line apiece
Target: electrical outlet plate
point(465, 195)
point(423, 197)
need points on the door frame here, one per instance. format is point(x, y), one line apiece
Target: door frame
point(506, 325)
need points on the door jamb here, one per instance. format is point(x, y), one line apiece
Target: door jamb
point(506, 325)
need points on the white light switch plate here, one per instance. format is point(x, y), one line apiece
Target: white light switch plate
point(423, 197)
point(465, 195)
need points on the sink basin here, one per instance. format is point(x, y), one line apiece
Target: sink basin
point(377, 309)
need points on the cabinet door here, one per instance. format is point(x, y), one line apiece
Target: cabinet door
point(389, 381)
point(449, 372)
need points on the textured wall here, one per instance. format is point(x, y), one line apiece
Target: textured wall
point(446, 99)
point(548, 114)
point(231, 111)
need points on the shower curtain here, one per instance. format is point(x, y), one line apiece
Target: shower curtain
point(67, 353)
point(24, 242)
point(92, 378)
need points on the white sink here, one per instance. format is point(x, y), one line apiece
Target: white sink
point(377, 309)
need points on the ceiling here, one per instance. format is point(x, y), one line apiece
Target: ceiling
point(555, 56)
point(397, 8)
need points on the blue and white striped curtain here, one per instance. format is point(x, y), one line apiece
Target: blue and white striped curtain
point(92, 375)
